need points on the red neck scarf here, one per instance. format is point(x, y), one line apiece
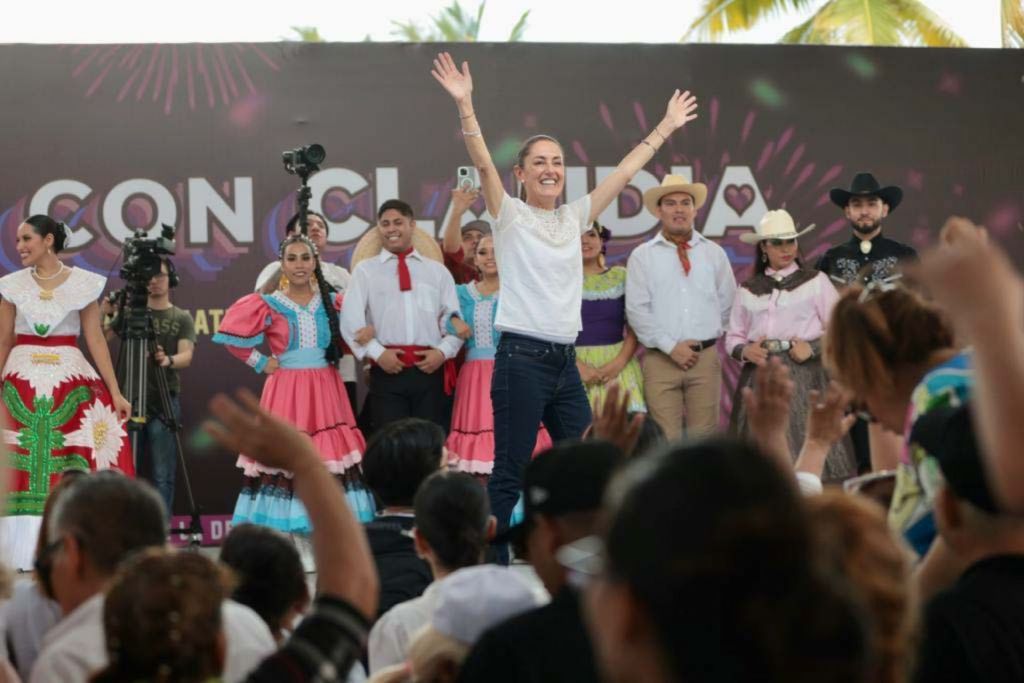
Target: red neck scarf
point(682, 246)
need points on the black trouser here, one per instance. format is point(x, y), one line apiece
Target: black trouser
point(861, 445)
point(410, 393)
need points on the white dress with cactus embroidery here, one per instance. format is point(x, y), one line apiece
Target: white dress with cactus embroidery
point(58, 412)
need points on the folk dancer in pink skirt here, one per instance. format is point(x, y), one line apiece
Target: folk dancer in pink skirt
point(471, 438)
point(300, 325)
point(60, 414)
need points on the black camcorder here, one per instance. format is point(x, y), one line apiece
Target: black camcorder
point(304, 161)
point(141, 256)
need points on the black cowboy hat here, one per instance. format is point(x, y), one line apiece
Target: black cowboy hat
point(865, 185)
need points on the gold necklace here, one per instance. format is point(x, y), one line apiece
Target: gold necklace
point(46, 294)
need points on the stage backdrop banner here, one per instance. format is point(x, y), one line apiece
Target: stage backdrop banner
point(115, 138)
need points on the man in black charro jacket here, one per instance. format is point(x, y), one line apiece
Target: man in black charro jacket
point(866, 256)
point(867, 253)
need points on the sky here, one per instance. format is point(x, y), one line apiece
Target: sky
point(183, 21)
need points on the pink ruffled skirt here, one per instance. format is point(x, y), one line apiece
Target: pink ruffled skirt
point(315, 401)
point(471, 438)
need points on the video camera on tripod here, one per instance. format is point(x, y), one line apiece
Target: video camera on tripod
point(141, 261)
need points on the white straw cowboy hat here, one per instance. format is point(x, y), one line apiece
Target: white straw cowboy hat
point(776, 225)
point(671, 184)
point(370, 245)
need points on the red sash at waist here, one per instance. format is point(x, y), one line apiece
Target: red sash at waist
point(33, 340)
point(407, 355)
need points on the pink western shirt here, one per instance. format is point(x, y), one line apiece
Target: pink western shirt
point(801, 313)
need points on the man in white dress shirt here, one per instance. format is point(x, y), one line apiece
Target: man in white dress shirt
point(408, 299)
point(271, 278)
point(679, 291)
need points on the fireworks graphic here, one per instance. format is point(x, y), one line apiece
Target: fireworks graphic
point(169, 76)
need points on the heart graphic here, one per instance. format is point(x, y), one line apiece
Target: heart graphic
point(739, 198)
point(41, 330)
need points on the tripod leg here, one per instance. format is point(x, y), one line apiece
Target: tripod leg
point(170, 412)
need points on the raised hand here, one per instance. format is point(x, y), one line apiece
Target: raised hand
point(682, 108)
point(463, 199)
point(459, 84)
point(827, 421)
point(612, 422)
point(243, 426)
point(768, 405)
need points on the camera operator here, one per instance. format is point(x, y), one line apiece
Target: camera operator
point(175, 341)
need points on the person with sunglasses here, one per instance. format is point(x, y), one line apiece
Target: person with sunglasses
point(782, 311)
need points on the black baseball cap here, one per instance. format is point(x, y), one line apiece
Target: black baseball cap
point(947, 434)
point(570, 477)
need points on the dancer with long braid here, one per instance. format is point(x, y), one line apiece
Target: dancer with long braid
point(300, 325)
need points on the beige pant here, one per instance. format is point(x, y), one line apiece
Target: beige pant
point(683, 401)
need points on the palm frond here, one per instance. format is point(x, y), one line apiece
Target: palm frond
point(921, 26)
point(407, 30)
point(1011, 20)
point(519, 29)
point(719, 17)
point(874, 22)
point(308, 34)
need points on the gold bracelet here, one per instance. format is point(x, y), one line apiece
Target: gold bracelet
point(469, 115)
point(472, 133)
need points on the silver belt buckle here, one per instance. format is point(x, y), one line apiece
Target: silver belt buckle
point(777, 345)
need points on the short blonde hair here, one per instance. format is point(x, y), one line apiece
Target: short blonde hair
point(433, 654)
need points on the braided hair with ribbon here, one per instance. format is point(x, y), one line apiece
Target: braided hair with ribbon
point(333, 350)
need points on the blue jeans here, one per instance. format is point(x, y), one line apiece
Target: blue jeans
point(534, 381)
point(158, 460)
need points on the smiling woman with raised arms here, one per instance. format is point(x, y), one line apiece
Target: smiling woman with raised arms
point(538, 248)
